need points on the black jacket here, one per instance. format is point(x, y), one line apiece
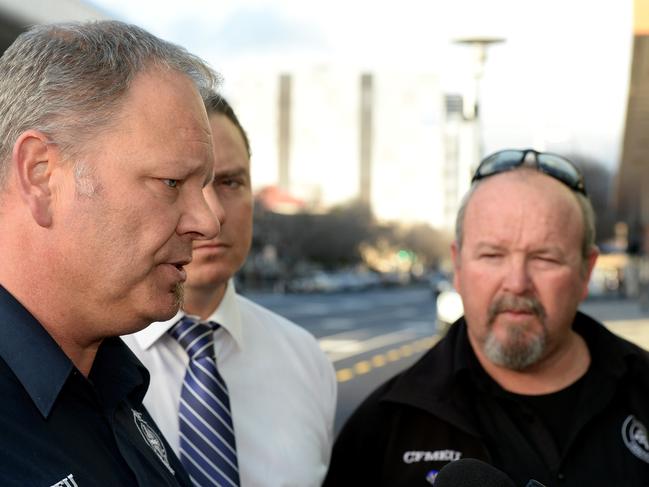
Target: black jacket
point(435, 412)
point(58, 427)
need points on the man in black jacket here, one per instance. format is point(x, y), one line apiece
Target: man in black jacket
point(105, 148)
point(523, 381)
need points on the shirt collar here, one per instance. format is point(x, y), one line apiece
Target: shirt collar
point(227, 315)
point(118, 374)
point(32, 354)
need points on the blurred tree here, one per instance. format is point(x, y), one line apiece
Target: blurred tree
point(335, 239)
point(329, 240)
point(429, 244)
point(599, 182)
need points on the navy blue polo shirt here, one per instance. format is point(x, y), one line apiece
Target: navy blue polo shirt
point(59, 428)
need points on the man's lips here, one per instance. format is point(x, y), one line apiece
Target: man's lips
point(517, 314)
point(177, 269)
point(182, 273)
point(179, 266)
point(516, 307)
point(211, 245)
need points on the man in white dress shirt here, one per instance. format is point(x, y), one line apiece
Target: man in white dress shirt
point(282, 388)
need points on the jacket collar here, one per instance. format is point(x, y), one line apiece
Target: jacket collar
point(31, 353)
point(42, 367)
point(441, 381)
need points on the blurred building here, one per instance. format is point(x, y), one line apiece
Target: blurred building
point(17, 15)
point(461, 156)
point(329, 135)
point(633, 178)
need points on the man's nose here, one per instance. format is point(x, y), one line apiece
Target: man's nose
point(214, 203)
point(201, 220)
point(517, 278)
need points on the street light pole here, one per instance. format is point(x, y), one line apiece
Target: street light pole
point(471, 109)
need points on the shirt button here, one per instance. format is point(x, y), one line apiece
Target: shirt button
point(561, 477)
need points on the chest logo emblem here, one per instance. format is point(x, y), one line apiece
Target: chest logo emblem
point(431, 476)
point(634, 434)
point(66, 482)
point(152, 439)
point(413, 456)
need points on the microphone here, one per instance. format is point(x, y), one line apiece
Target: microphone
point(469, 472)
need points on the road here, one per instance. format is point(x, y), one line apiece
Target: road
point(371, 336)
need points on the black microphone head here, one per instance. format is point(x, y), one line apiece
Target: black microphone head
point(469, 472)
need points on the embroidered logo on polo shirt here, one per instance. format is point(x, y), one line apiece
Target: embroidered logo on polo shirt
point(634, 434)
point(152, 439)
point(66, 482)
point(431, 476)
point(431, 456)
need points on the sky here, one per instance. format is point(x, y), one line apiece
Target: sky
point(558, 82)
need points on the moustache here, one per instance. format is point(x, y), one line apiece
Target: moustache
point(517, 304)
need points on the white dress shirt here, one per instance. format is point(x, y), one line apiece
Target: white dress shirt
point(282, 390)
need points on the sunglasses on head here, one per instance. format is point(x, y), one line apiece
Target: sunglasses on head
point(553, 165)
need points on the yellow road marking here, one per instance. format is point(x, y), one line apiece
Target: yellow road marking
point(343, 375)
point(393, 355)
point(362, 367)
point(379, 360)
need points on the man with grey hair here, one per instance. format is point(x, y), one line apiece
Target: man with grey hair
point(523, 380)
point(105, 149)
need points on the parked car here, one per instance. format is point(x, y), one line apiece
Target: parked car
point(318, 282)
point(343, 280)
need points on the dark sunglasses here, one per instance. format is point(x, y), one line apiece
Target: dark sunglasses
point(553, 165)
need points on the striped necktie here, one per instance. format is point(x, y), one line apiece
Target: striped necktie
point(207, 446)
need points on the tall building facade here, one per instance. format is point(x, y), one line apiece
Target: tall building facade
point(633, 177)
point(387, 138)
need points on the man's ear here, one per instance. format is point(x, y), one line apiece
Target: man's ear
point(588, 269)
point(33, 160)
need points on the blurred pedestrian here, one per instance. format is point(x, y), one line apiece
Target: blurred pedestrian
point(242, 394)
point(104, 152)
point(524, 380)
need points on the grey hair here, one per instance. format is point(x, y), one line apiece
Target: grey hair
point(68, 80)
point(585, 205)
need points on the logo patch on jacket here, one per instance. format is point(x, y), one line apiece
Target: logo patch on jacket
point(415, 456)
point(152, 439)
point(66, 482)
point(634, 434)
point(431, 476)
